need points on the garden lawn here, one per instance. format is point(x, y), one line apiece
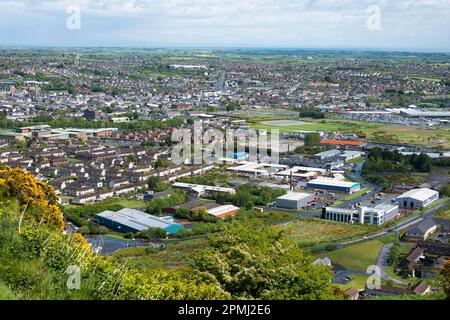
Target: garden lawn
point(356, 257)
point(358, 282)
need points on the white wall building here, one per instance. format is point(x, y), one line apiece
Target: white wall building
point(416, 198)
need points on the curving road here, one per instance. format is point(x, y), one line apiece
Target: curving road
point(382, 262)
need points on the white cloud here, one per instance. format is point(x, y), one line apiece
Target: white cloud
point(406, 23)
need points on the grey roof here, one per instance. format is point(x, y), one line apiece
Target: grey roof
point(423, 227)
point(135, 219)
point(328, 153)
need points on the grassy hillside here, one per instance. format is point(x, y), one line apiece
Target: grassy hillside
point(38, 260)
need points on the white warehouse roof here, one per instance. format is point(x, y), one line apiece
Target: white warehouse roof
point(295, 196)
point(421, 194)
point(333, 182)
point(222, 210)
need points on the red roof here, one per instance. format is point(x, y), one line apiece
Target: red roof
point(342, 142)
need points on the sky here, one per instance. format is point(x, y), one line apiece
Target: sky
point(422, 25)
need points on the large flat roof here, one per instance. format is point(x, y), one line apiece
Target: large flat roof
point(222, 210)
point(334, 183)
point(421, 194)
point(135, 219)
point(295, 196)
point(199, 186)
point(342, 142)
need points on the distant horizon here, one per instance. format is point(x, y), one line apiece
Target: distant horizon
point(242, 47)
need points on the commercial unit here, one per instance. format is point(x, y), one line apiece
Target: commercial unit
point(212, 208)
point(223, 211)
point(413, 113)
point(343, 143)
point(351, 155)
point(294, 200)
point(130, 220)
point(257, 169)
point(416, 198)
point(362, 215)
point(331, 154)
point(201, 189)
point(334, 185)
point(304, 173)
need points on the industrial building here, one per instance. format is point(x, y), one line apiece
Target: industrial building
point(362, 215)
point(416, 198)
point(326, 155)
point(212, 208)
point(330, 184)
point(294, 200)
point(413, 113)
point(130, 220)
point(223, 211)
point(349, 155)
point(305, 173)
point(202, 189)
point(257, 169)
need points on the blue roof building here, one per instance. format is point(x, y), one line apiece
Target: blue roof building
point(131, 220)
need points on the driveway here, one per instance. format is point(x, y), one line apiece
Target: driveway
point(382, 262)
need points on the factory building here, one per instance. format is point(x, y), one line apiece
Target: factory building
point(201, 189)
point(304, 173)
point(294, 200)
point(330, 184)
point(416, 198)
point(130, 220)
point(362, 215)
point(349, 155)
point(326, 155)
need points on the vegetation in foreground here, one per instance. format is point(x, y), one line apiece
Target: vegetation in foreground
point(242, 262)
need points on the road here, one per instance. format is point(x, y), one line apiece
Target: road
point(399, 227)
point(105, 245)
point(382, 262)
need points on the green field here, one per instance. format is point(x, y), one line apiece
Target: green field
point(174, 253)
point(356, 257)
point(443, 214)
point(312, 232)
point(326, 125)
point(374, 131)
point(358, 282)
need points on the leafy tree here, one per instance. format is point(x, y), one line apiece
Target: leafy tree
point(311, 112)
point(152, 234)
point(312, 139)
point(445, 279)
point(256, 262)
point(36, 198)
point(153, 182)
